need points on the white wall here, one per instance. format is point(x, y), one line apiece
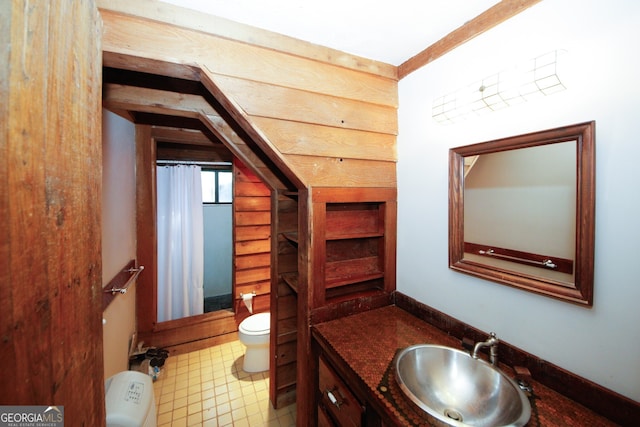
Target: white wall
point(118, 235)
point(603, 40)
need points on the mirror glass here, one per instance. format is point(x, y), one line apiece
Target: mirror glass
point(522, 211)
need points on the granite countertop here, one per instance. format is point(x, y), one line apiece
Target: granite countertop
point(368, 342)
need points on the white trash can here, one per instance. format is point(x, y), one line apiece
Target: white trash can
point(129, 400)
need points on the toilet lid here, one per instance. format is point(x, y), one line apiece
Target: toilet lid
point(257, 324)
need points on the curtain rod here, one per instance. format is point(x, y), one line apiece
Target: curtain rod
point(191, 162)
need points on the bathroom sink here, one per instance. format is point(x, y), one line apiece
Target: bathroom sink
point(459, 390)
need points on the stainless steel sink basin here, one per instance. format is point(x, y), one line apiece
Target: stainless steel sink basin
point(459, 390)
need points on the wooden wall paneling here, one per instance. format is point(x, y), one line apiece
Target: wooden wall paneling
point(310, 139)
point(252, 218)
point(241, 150)
point(252, 240)
point(252, 247)
point(221, 27)
point(246, 279)
point(253, 260)
point(335, 172)
point(278, 102)
point(128, 34)
point(254, 232)
point(240, 122)
point(354, 195)
point(51, 162)
point(253, 203)
point(270, 92)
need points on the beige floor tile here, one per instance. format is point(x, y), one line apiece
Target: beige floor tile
point(180, 403)
point(164, 419)
point(209, 388)
point(255, 420)
point(179, 413)
point(241, 422)
point(208, 403)
point(209, 413)
point(194, 419)
point(225, 420)
point(222, 398)
point(225, 408)
point(165, 407)
point(194, 408)
point(210, 423)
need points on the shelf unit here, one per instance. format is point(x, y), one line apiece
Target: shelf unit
point(352, 243)
point(284, 320)
point(334, 253)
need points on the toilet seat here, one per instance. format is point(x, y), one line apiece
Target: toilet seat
point(257, 324)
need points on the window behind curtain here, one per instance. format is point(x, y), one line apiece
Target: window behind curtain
point(217, 186)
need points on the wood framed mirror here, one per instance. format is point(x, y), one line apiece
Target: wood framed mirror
point(522, 211)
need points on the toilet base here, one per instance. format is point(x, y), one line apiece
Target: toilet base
point(256, 359)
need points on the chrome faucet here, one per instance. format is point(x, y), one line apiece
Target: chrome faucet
point(492, 343)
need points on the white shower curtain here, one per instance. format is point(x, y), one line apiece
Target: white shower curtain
point(180, 242)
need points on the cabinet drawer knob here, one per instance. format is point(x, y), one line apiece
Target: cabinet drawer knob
point(333, 399)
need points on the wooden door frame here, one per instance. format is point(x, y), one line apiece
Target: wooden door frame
point(180, 335)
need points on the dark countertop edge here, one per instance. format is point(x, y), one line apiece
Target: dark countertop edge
point(605, 402)
point(610, 405)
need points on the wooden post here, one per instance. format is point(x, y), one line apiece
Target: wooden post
point(50, 195)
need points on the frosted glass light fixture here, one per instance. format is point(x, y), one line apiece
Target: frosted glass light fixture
point(535, 78)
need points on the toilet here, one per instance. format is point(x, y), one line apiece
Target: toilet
point(254, 332)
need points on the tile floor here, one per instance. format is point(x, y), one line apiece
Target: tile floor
point(209, 388)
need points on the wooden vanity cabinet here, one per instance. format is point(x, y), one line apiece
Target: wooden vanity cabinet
point(340, 405)
point(340, 399)
point(336, 403)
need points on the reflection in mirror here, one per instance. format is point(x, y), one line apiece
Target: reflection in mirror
point(522, 211)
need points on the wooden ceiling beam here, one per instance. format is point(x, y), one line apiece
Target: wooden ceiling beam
point(247, 131)
point(192, 152)
point(158, 107)
point(488, 19)
point(121, 61)
point(180, 135)
point(156, 101)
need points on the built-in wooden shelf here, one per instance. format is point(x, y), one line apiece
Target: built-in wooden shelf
point(292, 237)
point(337, 282)
point(339, 235)
point(291, 279)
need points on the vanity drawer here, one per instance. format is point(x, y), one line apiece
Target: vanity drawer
point(337, 398)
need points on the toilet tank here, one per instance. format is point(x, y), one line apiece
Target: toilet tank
point(129, 400)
